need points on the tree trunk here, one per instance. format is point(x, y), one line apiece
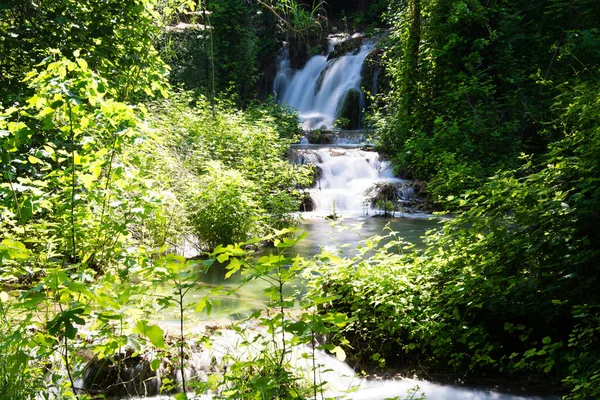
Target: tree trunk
point(412, 53)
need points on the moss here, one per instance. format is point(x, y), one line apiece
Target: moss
point(349, 111)
point(319, 136)
point(345, 47)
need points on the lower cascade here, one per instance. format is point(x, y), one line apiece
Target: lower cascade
point(340, 380)
point(348, 179)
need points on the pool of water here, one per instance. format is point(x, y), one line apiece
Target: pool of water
point(342, 236)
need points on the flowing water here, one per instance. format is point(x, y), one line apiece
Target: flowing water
point(341, 380)
point(348, 177)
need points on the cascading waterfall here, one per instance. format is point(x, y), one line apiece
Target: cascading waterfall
point(345, 176)
point(317, 91)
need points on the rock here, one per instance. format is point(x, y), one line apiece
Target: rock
point(345, 47)
point(320, 136)
point(348, 114)
point(302, 48)
point(307, 204)
point(373, 76)
point(120, 378)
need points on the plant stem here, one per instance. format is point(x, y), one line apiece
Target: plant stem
point(212, 62)
point(68, 367)
point(282, 318)
point(17, 207)
point(314, 346)
point(181, 339)
point(73, 244)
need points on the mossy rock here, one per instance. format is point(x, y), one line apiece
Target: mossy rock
point(349, 111)
point(307, 204)
point(317, 174)
point(320, 136)
point(373, 66)
point(383, 193)
point(345, 47)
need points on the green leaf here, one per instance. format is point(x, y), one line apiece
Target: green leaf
point(340, 354)
point(547, 340)
point(155, 364)
point(233, 267)
point(64, 322)
point(153, 332)
point(34, 160)
point(82, 63)
point(204, 303)
point(15, 250)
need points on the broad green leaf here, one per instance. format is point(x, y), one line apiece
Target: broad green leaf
point(340, 354)
point(153, 332)
point(204, 303)
point(155, 364)
point(34, 160)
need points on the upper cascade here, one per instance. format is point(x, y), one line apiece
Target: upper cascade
point(319, 89)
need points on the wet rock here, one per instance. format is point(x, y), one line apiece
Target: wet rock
point(321, 136)
point(345, 47)
point(307, 204)
point(374, 79)
point(129, 376)
point(348, 115)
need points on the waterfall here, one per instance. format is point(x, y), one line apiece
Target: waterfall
point(345, 176)
point(317, 91)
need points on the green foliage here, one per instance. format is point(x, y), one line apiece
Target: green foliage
point(115, 38)
point(269, 371)
point(226, 168)
point(224, 53)
point(61, 151)
point(508, 284)
point(235, 47)
point(472, 83)
point(18, 380)
point(222, 209)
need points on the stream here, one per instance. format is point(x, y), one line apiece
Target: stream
point(347, 175)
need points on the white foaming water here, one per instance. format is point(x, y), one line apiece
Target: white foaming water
point(340, 381)
point(318, 90)
point(346, 175)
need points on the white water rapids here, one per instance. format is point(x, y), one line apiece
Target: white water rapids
point(340, 381)
point(346, 175)
point(346, 172)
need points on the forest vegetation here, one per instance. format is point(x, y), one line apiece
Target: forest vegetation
point(131, 131)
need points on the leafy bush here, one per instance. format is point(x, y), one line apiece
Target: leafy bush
point(472, 85)
point(116, 39)
point(508, 285)
point(222, 208)
point(207, 157)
